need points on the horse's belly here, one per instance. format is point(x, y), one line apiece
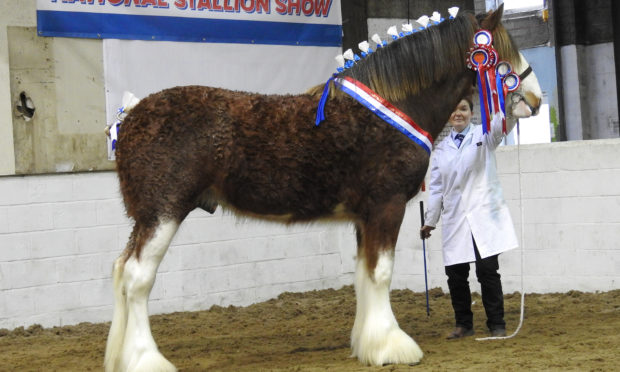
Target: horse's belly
point(338, 214)
point(284, 205)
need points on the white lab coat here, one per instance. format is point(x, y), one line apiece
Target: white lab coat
point(466, 193)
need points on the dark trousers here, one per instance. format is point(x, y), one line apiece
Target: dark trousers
point(490, 284)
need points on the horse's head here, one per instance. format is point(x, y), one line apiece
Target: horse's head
point(526, 100)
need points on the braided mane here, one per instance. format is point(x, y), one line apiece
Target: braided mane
point(412, 63)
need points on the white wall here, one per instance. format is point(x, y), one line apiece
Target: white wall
point(60, 233)
point(571, 213)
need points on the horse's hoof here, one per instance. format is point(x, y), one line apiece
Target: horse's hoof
point(394, 347)
point(409, 364)
point(152, 361)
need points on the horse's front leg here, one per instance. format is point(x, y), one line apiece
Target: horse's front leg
point(376, 338)
point(131, 347)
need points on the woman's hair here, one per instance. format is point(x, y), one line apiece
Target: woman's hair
point(470, 102)
point(468, 97)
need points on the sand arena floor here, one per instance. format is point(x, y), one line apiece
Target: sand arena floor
point(571, 331)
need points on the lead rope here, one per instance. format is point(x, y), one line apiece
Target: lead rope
point(522, 247)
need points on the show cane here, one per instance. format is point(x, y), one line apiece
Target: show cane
point(428, 310)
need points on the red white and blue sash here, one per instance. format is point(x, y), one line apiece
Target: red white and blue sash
point(385, 110)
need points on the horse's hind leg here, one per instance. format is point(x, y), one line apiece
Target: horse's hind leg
point(131, 346)
point(376, 338)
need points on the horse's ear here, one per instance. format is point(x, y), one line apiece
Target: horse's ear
point(493, 19)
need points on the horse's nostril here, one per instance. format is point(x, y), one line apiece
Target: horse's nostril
point(533, 101)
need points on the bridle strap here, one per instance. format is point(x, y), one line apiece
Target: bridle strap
point(525, 73)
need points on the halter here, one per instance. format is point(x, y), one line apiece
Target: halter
point(525, 73)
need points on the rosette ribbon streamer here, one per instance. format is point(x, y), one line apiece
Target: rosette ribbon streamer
point(494, 78)
point(320, 111)
point(501, 71)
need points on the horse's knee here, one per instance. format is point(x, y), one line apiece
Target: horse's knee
point(378, 269)
point(141, 267)
point(117, 269)
point(383, 270)
point(137, 279)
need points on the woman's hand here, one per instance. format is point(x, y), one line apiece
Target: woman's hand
point(425, 231)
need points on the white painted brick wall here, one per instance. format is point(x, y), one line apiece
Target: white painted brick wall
point(571, 206)
point(59, 235)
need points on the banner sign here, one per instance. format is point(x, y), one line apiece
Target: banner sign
point(280, 22)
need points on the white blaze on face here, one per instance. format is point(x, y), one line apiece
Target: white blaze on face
point(530, 83)
point(529, 90)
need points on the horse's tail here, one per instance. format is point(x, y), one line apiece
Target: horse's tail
point(129, 101)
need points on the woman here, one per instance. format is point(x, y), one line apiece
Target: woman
point(465, 192)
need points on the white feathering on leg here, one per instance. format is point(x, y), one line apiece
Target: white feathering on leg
point(376, 337)
point(116, 335)
point(139, 351)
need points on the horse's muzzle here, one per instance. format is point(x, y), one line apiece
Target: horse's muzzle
point(523, 107)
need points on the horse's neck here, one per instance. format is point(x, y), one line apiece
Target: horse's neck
point(432, 107)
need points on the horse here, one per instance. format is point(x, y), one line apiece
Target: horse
point(263, 156)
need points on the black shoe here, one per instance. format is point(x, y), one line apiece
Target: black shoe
point(460, 332)
point(498, 332)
